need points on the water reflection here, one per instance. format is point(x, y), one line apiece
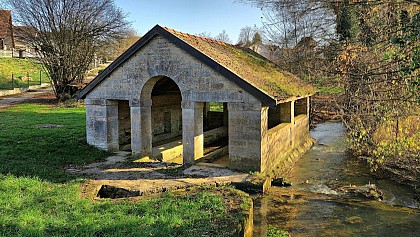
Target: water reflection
point(312, 206)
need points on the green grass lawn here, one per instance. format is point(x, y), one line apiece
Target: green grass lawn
point(37, 198)
point(20, 68)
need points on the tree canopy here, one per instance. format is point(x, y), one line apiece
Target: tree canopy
point(373, 49)
point(67, 34)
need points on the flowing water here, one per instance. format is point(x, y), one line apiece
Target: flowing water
point(315, 205)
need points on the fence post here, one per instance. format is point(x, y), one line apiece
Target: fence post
point(40, 77)
point(27, 77)
point(13, 81)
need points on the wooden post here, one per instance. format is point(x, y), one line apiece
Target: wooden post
point(40, 77)
point(27, 77)
point(13, 81)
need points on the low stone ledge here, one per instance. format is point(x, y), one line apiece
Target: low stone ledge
point(260, 183)
point(23, 89)
point(244, 228)
point(255, 184)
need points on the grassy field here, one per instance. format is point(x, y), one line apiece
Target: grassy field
point(20, 68)
point(37, 198)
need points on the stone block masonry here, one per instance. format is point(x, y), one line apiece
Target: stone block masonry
point(159, 93)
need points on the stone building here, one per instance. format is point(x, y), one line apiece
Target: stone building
point(177, 95)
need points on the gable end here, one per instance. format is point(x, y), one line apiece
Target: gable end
point(157, 30)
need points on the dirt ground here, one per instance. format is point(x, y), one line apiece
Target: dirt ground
point(148, 177)
point(42, 96)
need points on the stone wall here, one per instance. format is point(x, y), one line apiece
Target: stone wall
point(246, 125)
point(280, 141)
point(214, 119)
point(102, 123)
point(124, 123)
point(196, 81)
point(251, 145)
point(166, 117)
point(134, 81)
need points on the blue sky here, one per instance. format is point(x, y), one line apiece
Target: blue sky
point(191, 16)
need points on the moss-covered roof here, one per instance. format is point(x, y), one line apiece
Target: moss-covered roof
point(253, 73)
point(250, 66)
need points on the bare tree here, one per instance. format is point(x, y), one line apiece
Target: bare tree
point(114, 48)
point(377, 59)
point(223, 36)
point(205, 34)
point(67, 34)
point(245, 36)
point(287, 21)
point(248, 34)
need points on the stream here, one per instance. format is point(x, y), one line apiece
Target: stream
point(315, 205)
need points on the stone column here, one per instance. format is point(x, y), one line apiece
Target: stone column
point(135, 113)
point(96, 128)
point(113, 125)
point(308, 108)
point(225, 114)
point(146, 127)
point(245, 135)
point(192, 131)
point(292, 112)
point(206, 109)
point(102, 124)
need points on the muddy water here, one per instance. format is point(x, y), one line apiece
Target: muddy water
point(315, 206)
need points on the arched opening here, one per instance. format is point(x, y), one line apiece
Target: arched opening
point(166, 111)
point(177, 130)
point(161, 120)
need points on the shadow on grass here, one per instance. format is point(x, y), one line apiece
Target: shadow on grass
point(40, 141)
point(38, 208)
point(38, 198)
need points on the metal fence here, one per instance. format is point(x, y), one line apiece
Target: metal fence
point(25, 79)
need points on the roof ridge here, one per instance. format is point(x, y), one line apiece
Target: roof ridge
point(211, 40)
point(250, 71)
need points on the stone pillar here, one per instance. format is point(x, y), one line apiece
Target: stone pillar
point(146, 127)
point(225, 114)
point(206, 109)
point(102, 124)
point(245, 135)
point(96, 129)
point(135, 113)
point(292, 128)
point(192, 131)
point(308, 107)
point(113, 125)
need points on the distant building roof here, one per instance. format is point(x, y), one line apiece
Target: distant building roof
point(249, 70)
point(5, 22)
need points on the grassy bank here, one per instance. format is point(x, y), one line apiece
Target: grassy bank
point(21, 68)
point(37, 198)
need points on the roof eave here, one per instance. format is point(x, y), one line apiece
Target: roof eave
point(158, 30)
point(294, 98)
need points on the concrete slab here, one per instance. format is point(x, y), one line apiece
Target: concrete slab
point(153, 177)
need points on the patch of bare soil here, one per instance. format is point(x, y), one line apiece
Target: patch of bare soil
point(45, 98)
point(124, 175)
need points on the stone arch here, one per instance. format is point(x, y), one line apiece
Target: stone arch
point(160, 116)
point(146, 91)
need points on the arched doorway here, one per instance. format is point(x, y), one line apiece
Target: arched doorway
point(166, 111)
point(162, 119)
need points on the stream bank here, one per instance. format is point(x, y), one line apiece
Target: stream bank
point(315, 204)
